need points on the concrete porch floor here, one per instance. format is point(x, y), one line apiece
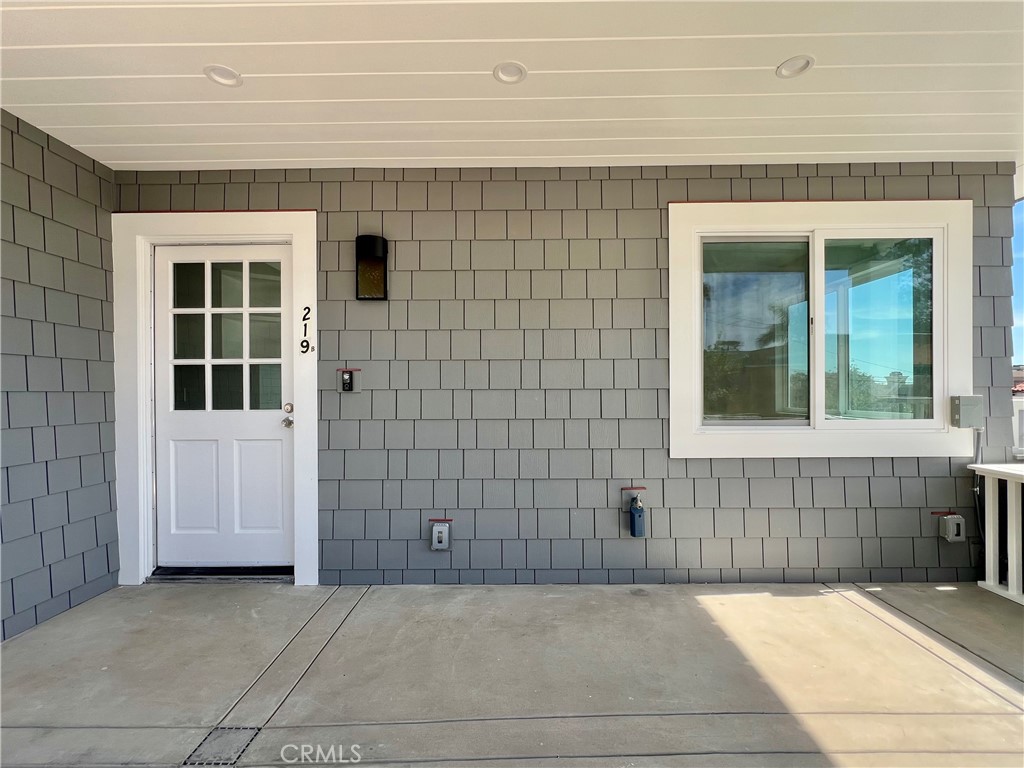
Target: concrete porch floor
point(681, 675)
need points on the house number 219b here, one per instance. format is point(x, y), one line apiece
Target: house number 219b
point(304, 345)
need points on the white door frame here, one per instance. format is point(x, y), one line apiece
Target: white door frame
point(134, 237)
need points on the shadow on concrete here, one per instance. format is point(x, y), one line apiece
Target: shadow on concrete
point(969, 622)
point(531, 673)
point(665, 675)
point(738, 675)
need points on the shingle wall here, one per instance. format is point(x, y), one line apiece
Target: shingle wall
point(517, 378)
point(58, 526)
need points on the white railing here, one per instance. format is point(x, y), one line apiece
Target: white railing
point(1013, 475)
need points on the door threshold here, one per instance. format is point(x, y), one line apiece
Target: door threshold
point(259, 574)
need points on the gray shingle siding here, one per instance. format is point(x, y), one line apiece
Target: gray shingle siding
point(58, 527)
point(514, 381)
point(518, 377)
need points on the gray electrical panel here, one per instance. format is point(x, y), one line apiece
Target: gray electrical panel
point(967, 411)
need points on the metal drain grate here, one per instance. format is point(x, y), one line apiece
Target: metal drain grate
point(222, 746)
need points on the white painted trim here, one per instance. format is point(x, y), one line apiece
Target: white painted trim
point(690, 222)
point(134, 236)
point(1013, 474)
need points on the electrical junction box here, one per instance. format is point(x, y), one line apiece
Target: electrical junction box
point(350, 380)
point(967, 411)
point(440, 534)
point(951, 528)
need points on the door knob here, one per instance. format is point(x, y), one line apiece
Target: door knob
point(288, 421)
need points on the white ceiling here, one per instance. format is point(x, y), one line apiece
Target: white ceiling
point(626, 82)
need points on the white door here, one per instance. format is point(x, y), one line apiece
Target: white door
point(223, 392)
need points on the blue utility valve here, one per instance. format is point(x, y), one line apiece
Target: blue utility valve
point(636, 518)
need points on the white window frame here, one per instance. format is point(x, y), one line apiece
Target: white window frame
point(937, 236)
point(948, 222)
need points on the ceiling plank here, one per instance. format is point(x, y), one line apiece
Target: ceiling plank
point(483, 86)
point(190, 23)
point(805, 146)
point(440, 111)
point(472, 56)
point(95, 138)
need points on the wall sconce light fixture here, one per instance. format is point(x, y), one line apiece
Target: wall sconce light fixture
point(371, 267)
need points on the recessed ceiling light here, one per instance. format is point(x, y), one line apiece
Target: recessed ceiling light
point(795, 66)
point(510, 72)
point(222, 75)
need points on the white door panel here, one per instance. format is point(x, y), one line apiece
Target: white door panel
point(223, 374)
point(192, 473)
point(259, 485)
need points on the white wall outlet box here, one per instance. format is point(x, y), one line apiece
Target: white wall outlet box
point(951, 528)
point(440, 534)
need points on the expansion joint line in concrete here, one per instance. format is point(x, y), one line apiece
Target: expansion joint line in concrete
point(932, 629)
point(517, 760)
point(317, 654)
point(276, 657)
point(622, 716)
point(1016, 704)
point(513, 718)
point(238, 738)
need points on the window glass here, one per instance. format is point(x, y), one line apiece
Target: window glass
point(189, 285)
point(265, 284)
point(189, 337)
point(227, 335)
point(225, 315)
point(264, 386)
point(265, 335)
point(756, 351)
point(226, 284)
point(189, 387)
point(878, 329)
point(227, 388)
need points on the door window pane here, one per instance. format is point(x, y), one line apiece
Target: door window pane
point(265, 335)
point(189, 285)
point(264, 387)
point(226, 284)
point(226, 330)
point(189, 337)
point(878, 329)
point(227, 387)
point(756, 318)
point(265, 284)
point(189, 388)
